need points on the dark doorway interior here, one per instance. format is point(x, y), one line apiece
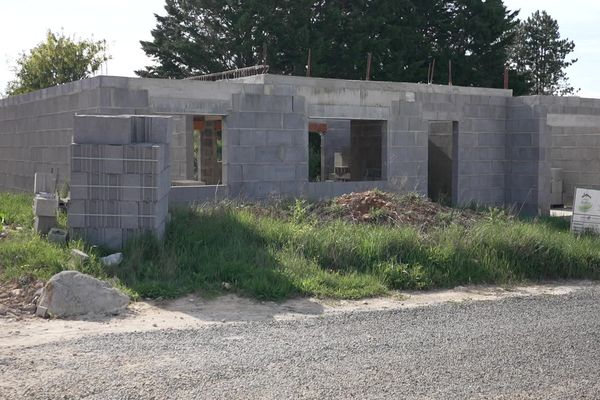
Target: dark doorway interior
point(366, 150)
point(441, 185)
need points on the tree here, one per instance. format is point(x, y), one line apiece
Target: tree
point(59, 59)
point(479, 35)
point(539, 55)
point(404, 36)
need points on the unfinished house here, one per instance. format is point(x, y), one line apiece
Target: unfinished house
point(266, 135)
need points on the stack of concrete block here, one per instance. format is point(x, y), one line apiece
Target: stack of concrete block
point(45, 202)
point(120, 178)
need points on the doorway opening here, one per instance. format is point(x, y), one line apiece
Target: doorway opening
point(442, 161)
point(208, 150)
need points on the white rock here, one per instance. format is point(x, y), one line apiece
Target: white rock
point(113, 259)
point(79, 255)
point(71, 293)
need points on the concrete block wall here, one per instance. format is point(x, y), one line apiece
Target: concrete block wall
point(526, 157)
point(505, 146)
point(480, 159)
point(479, 163)
point(36, 128)
point(572, 126)
point(265, 145)
point(120, 182)
point(547, 132)
point(406, 146)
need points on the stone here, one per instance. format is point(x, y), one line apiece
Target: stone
point(79, 256)
point(71, 293)
point(41, 312)
point(112, 260)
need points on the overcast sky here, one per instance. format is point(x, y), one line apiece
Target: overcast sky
point(123, 23)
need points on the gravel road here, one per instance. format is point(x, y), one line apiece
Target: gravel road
point(545, 347)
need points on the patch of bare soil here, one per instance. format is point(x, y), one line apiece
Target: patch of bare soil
point(18, 298)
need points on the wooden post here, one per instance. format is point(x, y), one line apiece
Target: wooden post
point(449, 72)
point(429, 73)
point(369, 58)
point(505, 77)
point(432, 70)
point(308, 62)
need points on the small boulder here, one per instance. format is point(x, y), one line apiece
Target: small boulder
point(112, 260)
point(71, 293)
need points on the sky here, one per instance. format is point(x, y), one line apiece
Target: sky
point(123, 23)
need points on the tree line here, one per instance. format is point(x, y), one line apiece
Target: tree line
point(478, 39)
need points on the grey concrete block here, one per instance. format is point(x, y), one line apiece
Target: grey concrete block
point(299, 104)
point(403, 139)
point(245, 120)
point(253, 138)
point(274, 138)
point(269, 120)
point(253, 102)
point(241, 154)
point(265, 173)
point(100, 129)
point(42, 225)
point(232, 173)
point(44, 182)
point(295, 121)
point(76, 220)
point(44, 206)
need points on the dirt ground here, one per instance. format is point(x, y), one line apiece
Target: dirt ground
point(193, 311)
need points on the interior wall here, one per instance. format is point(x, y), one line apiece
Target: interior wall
point(336, 140)
point(366, 150)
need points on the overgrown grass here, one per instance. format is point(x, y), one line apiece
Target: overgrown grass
point(230, 247)
point(23, 253)
point(16, 209)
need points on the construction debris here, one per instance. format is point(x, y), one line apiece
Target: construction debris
point(387, 208)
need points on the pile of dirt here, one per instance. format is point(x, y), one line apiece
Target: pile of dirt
point(19, 297)
point(387, 208)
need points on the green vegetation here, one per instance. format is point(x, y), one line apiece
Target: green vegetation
point(539, 55)
point(58, 59)
point(25, 254)
point(278, 251)
point(403, 36)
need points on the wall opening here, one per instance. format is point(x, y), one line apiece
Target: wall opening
point(442, 161)
point(208, 150)
point(345, 150)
